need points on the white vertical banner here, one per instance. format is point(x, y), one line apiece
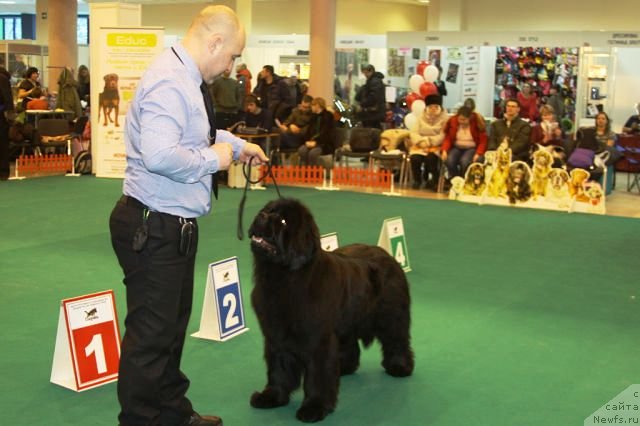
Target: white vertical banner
point(124, 54)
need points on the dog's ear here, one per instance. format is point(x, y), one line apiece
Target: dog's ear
point(304, 240)
point(106, 78)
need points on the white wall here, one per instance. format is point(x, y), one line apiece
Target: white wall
point(626, 86)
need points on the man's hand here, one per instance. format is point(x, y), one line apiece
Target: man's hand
point(294, 129)
point(225, 154)
point(252, 152)
point(444, 155)
point(310, 144)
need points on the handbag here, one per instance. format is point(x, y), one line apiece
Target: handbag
point(581, 158)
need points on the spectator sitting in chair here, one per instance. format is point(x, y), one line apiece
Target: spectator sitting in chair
point(513, 131)
point(548, 131)
point(633, 123)
point(294, 127)
point(320, 135)
point(425, 143)
point(465, 142)
point(38, 100)
point(606, 138)
point(254, 117)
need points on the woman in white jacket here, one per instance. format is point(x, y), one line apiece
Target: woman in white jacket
point(426, 139)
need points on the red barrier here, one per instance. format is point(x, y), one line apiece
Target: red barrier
point(350, 176)
point(44, 164)
point(295, 175)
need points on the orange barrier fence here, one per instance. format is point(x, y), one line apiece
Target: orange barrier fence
point(314, 175)
point(350, 176)
point(51, 163)
point(295, 175)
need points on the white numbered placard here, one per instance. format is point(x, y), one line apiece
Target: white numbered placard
point(329, 242)
point(222, 313)
point(393, 240)
point(87, 351)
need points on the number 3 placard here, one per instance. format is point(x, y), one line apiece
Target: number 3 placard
point(87, 349)
point(222, 314)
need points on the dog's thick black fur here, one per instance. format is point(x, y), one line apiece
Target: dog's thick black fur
point(314, 306)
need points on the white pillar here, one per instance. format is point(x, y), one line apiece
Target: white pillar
point(63, 38)
point(322, 52)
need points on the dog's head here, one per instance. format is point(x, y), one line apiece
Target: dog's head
point(519, 173)
point(579, 176)
point(558, 178)
point(475, 175)
point(111, 81)
point(284, 233)
point(542, 159)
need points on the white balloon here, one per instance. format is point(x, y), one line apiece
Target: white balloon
point(431, 73)
point(417, 107)
point(415, 81)
point(411, 121)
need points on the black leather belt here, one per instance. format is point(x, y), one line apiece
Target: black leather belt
point(130, 201)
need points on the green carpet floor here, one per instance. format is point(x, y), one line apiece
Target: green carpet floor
point(520, 317)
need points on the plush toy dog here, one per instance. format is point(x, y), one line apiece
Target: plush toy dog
point(474, 180)
point(518, 186)
point(542, 160)
point(593, 190)
point(576, 184)
point(497, 186)
point(457, 185)
point(557, 189)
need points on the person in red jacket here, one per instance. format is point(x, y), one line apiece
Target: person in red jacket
point(528, 103)
point(465, 141)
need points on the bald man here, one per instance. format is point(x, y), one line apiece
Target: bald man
point(154, 231)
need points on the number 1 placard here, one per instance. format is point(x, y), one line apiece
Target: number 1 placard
point(392, 239)
point(222, 314)
point(87, 349)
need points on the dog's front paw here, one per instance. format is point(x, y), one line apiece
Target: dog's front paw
point(399, 365)
point(311, 412)
point(269, 398)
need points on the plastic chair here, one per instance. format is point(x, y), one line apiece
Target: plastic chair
point(629, 145)
point(362, 142)
point(54, 132)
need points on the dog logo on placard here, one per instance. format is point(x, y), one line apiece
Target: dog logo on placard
point(91, 315)
point(109, 100)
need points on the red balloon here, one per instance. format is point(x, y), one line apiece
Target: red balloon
point(411, 97)
point(421, 66)
point(427, 88)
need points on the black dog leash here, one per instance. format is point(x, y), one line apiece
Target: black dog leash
point(246, 171)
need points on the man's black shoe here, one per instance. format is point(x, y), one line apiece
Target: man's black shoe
point(198, 420)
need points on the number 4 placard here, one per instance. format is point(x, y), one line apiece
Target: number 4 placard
point(87, 349)
point(222, 314)
point(392, 239)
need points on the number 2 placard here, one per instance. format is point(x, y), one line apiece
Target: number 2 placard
point(222, 313)
point(87, 349)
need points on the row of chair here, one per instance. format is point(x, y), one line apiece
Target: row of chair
point(51, 134)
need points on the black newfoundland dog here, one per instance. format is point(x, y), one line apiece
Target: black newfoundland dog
point(313, 307)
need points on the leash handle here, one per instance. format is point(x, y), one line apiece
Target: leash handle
point(246, 171)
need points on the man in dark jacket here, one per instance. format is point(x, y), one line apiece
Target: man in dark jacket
point(371, 98)
point(274, 94)
point(513, 131)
